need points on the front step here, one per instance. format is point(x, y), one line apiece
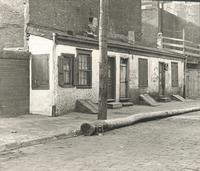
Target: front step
point(124, 99)
point(86, 106)
point(164, 99)
point(147, 99)
point(178, 97)
point(114, 105)
point(125, 104)
point(110, 100)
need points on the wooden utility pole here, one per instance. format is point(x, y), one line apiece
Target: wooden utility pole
point(160, 16)
point(103, 64)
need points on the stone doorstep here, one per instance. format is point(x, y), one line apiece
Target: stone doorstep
point(165, 99)
point(114, 105)
point(127, 104)
point(178, 97)
point(40, 140)
point(147, 99)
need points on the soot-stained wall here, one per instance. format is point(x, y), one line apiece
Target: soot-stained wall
point(73, 15)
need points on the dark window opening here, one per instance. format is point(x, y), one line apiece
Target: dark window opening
point(40, 72)
point(174, 74)
point(143, 72)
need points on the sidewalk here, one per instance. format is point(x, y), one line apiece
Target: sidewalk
point(28, 130)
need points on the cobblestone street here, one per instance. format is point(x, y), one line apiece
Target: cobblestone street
point(168, 144)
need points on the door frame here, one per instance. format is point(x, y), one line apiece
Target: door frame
point(127, 76)
point(162, 91)
point(114, 76)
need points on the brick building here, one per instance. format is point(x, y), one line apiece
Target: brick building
point(73, 16)
point(11, 23)
point(173, 18)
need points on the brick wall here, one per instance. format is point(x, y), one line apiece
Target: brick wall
point(172, 27)
point(125, 15)
point(14, 83)
point(11, 23)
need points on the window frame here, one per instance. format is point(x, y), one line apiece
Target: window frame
point(89, 54)
point(69, 57)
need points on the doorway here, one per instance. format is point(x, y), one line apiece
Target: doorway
point(123, 78)
point(161, 78)
point(111, 78)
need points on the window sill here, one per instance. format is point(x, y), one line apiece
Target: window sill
point(83, 87)
point(67, 86)
point(143, 86)
point(41, 88)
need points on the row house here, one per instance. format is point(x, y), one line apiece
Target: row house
point(62, 37)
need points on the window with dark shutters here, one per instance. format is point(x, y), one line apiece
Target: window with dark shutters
point(143, 72)
point(66, 70)
point(174, 74)
point(40, 72)
point(75, 71)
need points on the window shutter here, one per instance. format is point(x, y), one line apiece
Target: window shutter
point(45, 70)
point(90, 59)
point(143, 72)
point(34, 77)
point(174, 74)
point(60, 71)
point(75, 73)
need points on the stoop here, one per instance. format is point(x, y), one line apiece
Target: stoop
point(178, 97)
point(114, 105)
point(86, 106)
point(146, 98)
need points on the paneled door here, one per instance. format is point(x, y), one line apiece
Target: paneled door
point(111, 78)
point(123, 78)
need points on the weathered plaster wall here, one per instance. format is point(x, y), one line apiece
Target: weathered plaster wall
point(153, 77)
point(125, 15)
point(11, 23)
point(41, 100)
point(66, 97)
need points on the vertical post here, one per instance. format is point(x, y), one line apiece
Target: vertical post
point(160, 16)
point(185, 66)
point(26, 22)
point(103, 64)
point(53, 82)
point(160, 25)
point(183, 41)
point(160, 41)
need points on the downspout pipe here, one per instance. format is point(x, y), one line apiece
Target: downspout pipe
point(53, 82)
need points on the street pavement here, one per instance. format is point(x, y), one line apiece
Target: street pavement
point(171, 144)
point(27, 130)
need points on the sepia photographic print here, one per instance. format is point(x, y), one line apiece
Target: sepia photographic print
point(99, 85)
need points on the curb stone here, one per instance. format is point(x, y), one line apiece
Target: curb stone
point(17, 145)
